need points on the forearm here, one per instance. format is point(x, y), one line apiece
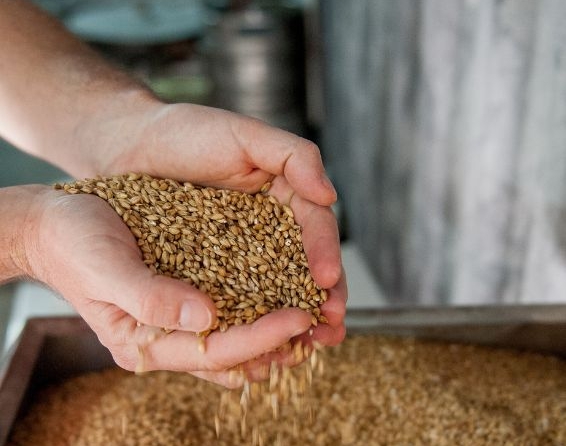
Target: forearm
point(52, 85)
point(17, 220)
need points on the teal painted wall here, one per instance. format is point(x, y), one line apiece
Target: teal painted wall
point(18, 168)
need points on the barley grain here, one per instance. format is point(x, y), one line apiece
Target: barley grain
point(226, 243)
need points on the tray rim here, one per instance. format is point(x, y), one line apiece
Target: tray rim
point(17, 371)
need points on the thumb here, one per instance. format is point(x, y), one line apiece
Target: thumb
point(120, 277)
point(161, 301)
point(96, 258)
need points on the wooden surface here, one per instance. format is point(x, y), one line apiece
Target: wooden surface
point(446, 133)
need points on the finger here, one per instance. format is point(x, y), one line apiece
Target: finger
point(320, 236)
point(283, 153)
point(246, 342)
point(152, 299)
point(334, 309)
point(320, 240)
point(326, 335)
point(230, 379)
point(259, 369)
point(182, 351)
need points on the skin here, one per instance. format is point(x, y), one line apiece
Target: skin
point(60, 102)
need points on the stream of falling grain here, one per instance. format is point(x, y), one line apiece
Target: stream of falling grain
point(290, 387)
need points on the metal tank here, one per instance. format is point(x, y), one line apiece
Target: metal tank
point(256, 66)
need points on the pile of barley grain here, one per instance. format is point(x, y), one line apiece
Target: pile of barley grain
point(243, 250)
point(375, 391)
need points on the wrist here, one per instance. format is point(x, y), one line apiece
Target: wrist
point(108, 139)
point(19, 217)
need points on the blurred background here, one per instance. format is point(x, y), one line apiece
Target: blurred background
point(442, 124)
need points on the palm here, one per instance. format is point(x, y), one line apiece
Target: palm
point(106, 281)
point(217, 148)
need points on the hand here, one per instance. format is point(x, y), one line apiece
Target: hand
point(217, 148)
point(88, 118)
point(80, 247)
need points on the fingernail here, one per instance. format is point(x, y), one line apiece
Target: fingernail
point(195, 316)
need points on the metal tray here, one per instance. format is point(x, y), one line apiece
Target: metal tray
point(53, 349)
point(49, 350)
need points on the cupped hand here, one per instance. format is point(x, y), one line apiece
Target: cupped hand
point(81, 248)
point(213, 147)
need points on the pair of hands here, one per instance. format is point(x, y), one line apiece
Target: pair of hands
point(81, 248)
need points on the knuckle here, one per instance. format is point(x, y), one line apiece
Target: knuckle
point(311, 147)
point(154, 307)
point(145, 311)
point(124, 359)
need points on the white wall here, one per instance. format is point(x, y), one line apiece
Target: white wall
point(446, 128)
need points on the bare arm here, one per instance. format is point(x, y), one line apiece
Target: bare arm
point(52, 86)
